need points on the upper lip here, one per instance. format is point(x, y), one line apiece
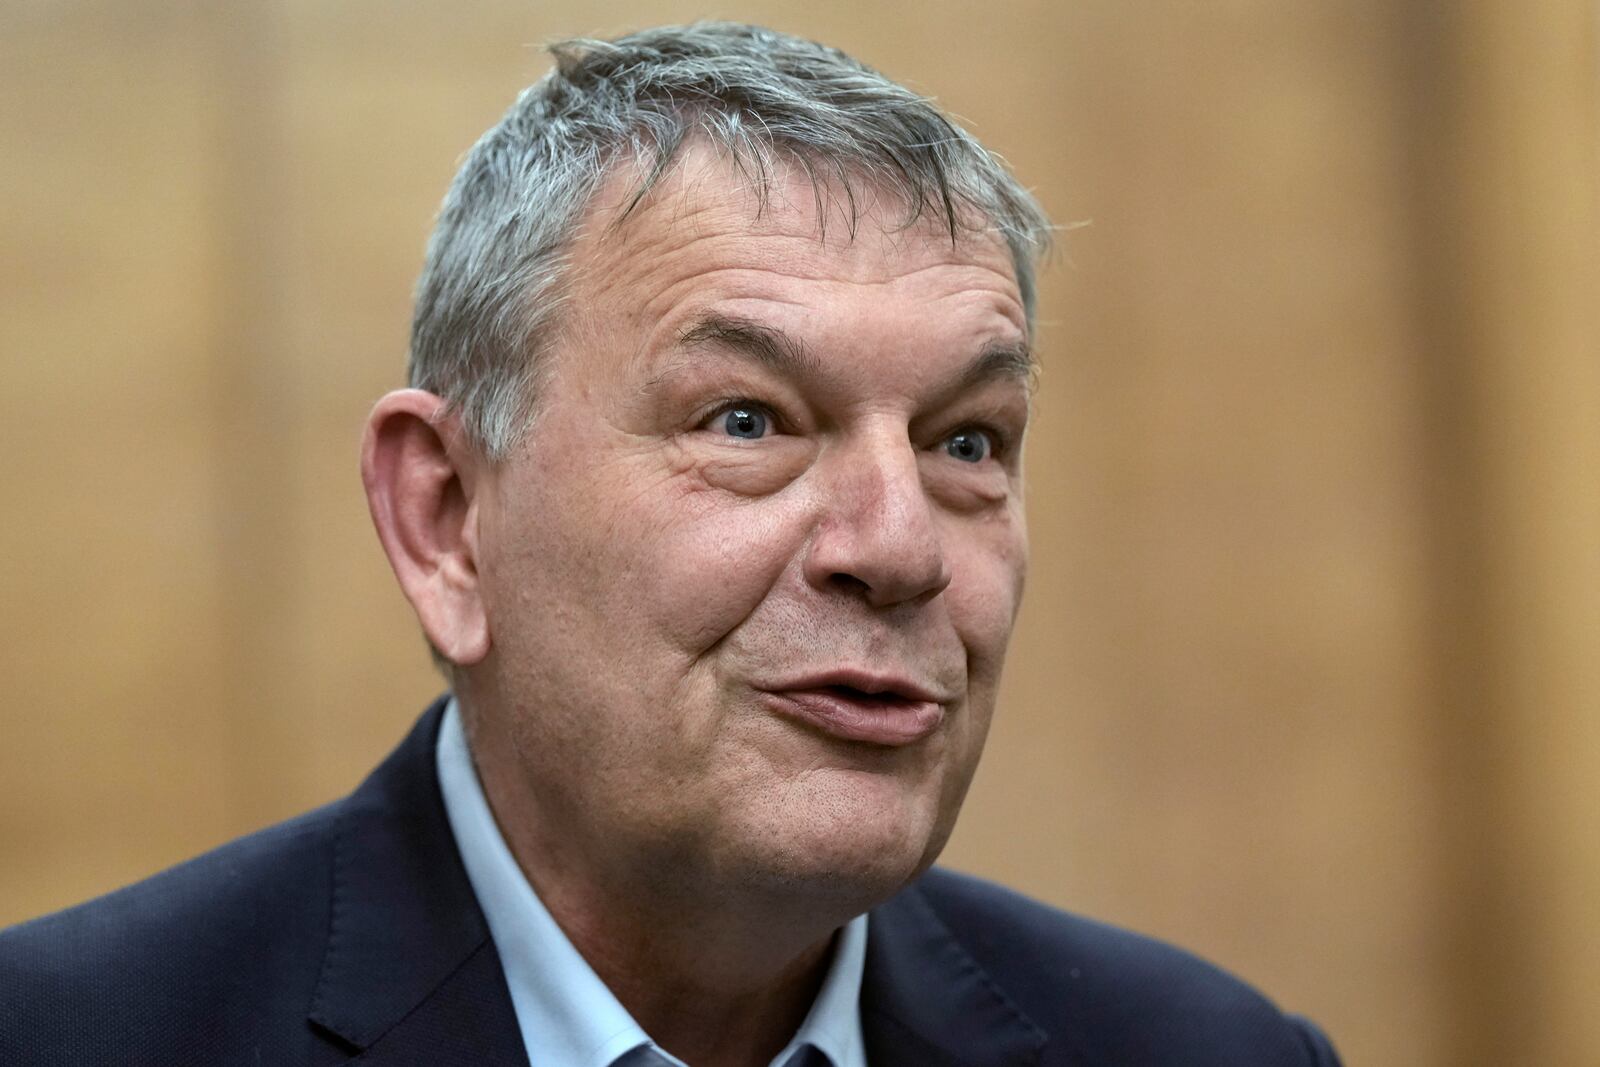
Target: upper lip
point(873, 683)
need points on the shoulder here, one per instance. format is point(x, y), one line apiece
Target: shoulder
point(1123, 997)
point(210, 942)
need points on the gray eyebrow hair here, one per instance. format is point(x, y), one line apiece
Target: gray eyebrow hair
point(768, 344)
point(999, 360)
point(1002, 360)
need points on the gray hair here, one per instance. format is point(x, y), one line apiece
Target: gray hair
point(490, 291)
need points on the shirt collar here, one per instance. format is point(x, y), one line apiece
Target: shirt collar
point(566, 1013)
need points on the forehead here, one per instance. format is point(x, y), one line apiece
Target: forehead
point(707, 232)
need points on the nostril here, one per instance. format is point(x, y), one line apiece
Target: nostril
point(849, 582)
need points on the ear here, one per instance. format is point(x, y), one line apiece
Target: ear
point(420, 473)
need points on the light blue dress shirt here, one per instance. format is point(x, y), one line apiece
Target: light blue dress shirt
point(568, 1017)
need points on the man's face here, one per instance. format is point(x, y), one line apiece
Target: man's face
point(750, 576)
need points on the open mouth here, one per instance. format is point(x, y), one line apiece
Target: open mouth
point(886, 697)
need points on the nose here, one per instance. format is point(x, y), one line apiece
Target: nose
point(877, 534)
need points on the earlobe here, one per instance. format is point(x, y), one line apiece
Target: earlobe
point(419, 477)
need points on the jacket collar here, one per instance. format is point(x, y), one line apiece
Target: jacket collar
point(410, 974)
point(926, 1002)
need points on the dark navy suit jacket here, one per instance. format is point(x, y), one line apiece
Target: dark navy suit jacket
point(351, 933)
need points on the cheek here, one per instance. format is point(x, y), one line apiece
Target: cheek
point(644, 559)
point(717, 562)
point(989, 564)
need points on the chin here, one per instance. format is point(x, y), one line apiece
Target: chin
point(850, 848)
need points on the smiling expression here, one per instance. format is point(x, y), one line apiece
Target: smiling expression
point(750, 576)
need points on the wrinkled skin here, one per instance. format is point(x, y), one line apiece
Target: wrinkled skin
point(649, 567)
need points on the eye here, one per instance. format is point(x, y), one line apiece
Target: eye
point(969, 446)
point(744, 421)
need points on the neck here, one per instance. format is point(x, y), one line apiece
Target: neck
point(718, 975)
point(711, 982)
point(708, 995)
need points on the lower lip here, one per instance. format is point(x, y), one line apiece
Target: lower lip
point(891, 723)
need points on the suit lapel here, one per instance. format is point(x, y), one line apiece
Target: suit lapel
point(410, 974)
point(467, 1020)
point(926, 1003)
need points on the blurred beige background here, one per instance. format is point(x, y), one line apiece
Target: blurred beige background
point(1308, 676)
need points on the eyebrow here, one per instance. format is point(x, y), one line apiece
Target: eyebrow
point(767, 345)
point(1001, 361)
point(777, 350)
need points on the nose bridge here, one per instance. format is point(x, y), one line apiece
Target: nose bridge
point(877, 527)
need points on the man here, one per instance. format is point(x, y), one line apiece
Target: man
point(708, 497)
